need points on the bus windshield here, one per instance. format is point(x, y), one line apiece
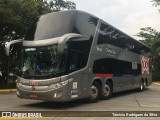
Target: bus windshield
point(41, 62)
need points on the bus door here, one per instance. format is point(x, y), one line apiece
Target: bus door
point(78, 53)
point(75, 65)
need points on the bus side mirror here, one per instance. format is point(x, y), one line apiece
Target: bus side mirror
point(8, 45)
point(13, 51)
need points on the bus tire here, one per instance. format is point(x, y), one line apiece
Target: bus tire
point(141, 86)
point(94, 93)
point(106, 92)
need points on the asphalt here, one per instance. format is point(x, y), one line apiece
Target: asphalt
point(14, 90)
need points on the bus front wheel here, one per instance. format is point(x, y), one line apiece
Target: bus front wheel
point(141, 87)
point(94, 92)
point(145, 84)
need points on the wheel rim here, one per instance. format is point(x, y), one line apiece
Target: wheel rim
point(94, 92)
point(141, 86)
point(106, 90)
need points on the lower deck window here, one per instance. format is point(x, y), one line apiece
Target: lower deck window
point(115, 66)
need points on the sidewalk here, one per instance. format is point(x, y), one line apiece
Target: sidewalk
point(14, 90)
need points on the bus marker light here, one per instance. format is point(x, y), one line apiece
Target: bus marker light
point(17, 81)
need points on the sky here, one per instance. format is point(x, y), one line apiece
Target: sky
point(128, 16)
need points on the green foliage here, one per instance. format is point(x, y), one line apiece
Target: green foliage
point(156, 3)
point(17, 15)
point(152, 39)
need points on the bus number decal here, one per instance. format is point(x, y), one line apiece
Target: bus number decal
point(145, 65)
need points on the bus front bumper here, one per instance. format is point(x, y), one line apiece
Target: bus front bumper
point(42, 93)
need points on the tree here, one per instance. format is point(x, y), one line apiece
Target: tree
point(156, 3)
point(151, 38)
point(17, 15)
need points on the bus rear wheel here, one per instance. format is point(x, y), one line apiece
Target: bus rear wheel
point(106, 91)
point(94, 93)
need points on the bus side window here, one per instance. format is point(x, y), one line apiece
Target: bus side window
point(109, 66)
point(77, 55)
point(73, 65)
point(76, 61)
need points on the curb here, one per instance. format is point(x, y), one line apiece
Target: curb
point(7, 90)
point(156, 83)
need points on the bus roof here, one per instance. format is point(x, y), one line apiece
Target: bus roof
point(76, 12)
point(69, 19)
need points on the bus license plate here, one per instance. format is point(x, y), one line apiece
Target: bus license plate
point(34, 96)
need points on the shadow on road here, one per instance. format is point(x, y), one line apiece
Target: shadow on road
point(57, 105)
point(72, 104)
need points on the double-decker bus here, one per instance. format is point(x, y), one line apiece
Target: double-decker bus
point(71, 55)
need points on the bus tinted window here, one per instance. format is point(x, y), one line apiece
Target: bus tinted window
point(109, 66)
point(59, 23)
point(51, 25)
point(110, 35)
point(78, 55)
point(85, 24)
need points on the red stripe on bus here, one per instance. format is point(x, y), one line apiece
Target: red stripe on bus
point(104, 75)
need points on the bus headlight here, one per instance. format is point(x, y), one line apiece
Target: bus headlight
point(58, 94)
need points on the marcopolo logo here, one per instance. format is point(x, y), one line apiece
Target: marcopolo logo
point(145, 65)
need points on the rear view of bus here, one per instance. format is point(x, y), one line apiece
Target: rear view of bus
point(72, 55)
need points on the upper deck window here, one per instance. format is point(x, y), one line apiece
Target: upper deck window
point(51, 25)
point(85, 24)
point(110, 35)
point(60, 23)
